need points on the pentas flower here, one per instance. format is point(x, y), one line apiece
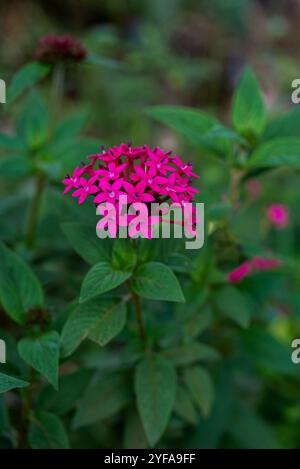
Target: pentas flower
point(256, 264)
point(74, 180)
point(278, 215)
point(86, 187)
point(53, 48)
point(140, 173)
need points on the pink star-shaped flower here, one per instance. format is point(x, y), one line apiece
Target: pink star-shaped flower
point(137, 193)
point(74, 180)
point(110, 192)
point(113, 171)
point(87, 187)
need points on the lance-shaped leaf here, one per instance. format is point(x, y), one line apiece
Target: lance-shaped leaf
point(248, 111)
point(27, 76)
point(47, 431)
point(84, 240)
point(156, 281)
point(20, 290)
point(201, 387)
point(100, 279)
point(155, 387)
point(276, 153)
point(104, 397)
point(42, 353)
point(98, 319)
point(9, 382)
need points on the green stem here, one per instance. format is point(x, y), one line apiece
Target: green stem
point(58, 80)
point(25, 412)
point(138, 313)
point(235, 179)
point(40, 183)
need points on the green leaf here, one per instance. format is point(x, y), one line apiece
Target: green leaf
point(70, 127)
point(9, 382)
point(42, 353)
point(184, 405)
point(71, 388)
point(134, 435)
point(123, 254)
point(26, 77)
point(100, 279)
point(287, 125)
point(110, 325)
point(47, 432)
point(252, 432)
point(11, 143)
point(155, 387)
point(104, 62)
point(233, 304)
point(15, 166)
point(99, 319)
point(34, 120)
point(156, 281)
point(20, 290)
point(248, 111)
point(191, 353)
point(84, 240)
point(268, 352)
point(198, 127)
point(198, 323)
point(104, 397)
point(201, 387)
point(277, 152)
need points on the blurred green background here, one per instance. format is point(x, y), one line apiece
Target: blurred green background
point(187, 52)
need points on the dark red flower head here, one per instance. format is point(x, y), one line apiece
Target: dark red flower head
point(53, 48)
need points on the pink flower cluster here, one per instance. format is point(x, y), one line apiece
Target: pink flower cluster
point(256, 264)
point(278, 215)
point(139, 173)
point(53, 48)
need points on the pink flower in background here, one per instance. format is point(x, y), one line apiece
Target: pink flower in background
point(265, 263)
point(278, 215)
point(254, 188)
point(240, 272)
point(256, 264)
point(53, 48)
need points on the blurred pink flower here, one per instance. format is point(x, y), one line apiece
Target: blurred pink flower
point(278, 215)
point(254, 188)
point(264, 263)
point(53, 48)
point(240, 272)
point(256, 264)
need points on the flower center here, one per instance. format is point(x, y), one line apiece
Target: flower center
point(111, 175)
point(74, 180)
point(112, 194)
point(158, 166)
point(150, 181)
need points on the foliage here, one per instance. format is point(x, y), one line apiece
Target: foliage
point(143, 344)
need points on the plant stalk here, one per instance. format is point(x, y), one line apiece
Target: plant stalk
point(40, 183)
point(138, 313)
